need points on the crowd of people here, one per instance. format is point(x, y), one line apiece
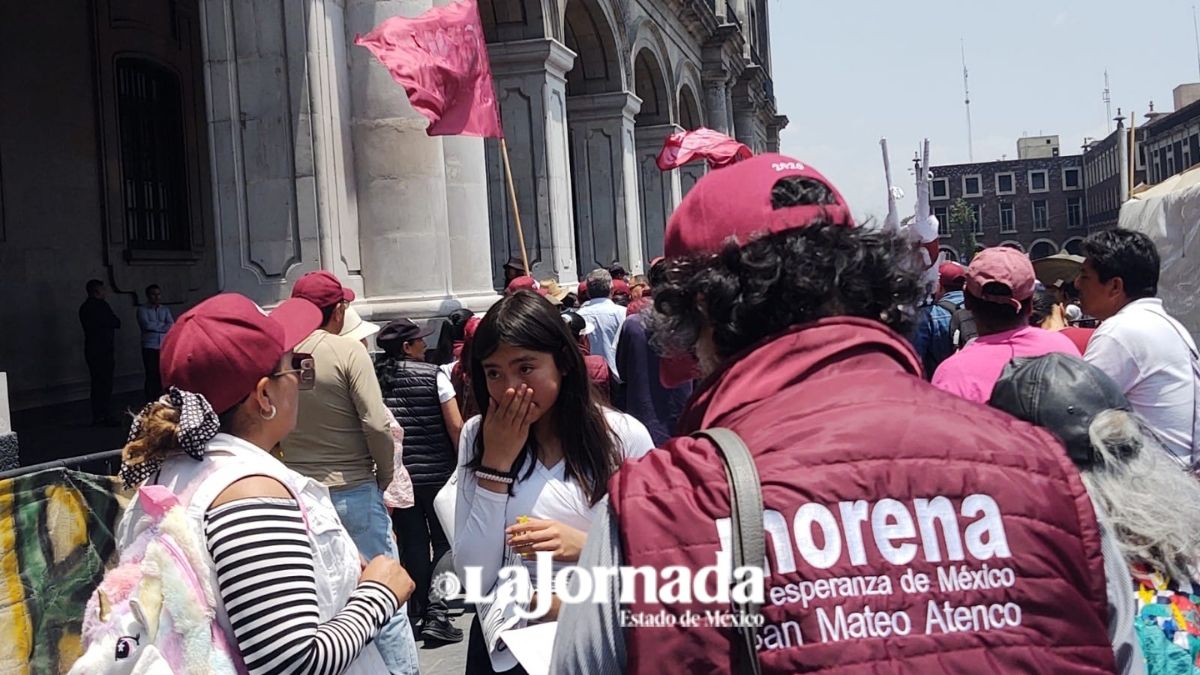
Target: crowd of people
point(953, 479)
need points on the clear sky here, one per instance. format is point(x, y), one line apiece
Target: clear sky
point(848, 73)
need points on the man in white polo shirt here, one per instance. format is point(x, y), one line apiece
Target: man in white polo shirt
point(1148, 353)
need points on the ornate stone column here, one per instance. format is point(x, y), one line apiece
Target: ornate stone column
point(604, 157)
point(9, 457)
point(716, 100)
point(531, 85)
point(400, 181)
point(467, 213)
point(266, 91)
point(777, 125)
point(661, 190)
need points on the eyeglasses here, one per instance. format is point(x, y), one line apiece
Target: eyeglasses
point(306, 367)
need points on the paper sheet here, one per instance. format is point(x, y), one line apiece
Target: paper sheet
point(532, 646)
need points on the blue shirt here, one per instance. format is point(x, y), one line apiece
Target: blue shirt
point(155, 321)
point(606, 317)
point(932, 338)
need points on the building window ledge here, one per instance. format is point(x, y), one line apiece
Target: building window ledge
point(151, 257)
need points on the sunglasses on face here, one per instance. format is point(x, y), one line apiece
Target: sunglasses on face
point(305, 367)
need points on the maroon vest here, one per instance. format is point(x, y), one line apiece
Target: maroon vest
point(907, 530)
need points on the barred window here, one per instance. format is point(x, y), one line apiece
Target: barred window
point(150, 121)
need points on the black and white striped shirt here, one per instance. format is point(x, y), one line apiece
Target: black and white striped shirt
point(265, 573)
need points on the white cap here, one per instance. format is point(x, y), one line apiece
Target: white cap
point(356, 328)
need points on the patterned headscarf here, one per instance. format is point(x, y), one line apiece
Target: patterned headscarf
point(196, 427)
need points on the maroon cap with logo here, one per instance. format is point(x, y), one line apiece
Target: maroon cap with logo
point(524, 283)
point(1005, 266)
point(735, 201)
point(224, 345)
point(322, 289)
point(949, 272)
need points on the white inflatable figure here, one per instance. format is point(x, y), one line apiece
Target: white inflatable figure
point(925, 225)
point(922, 227)
point(892, 222)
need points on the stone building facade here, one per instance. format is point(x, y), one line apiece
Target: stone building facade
point(1164, 144)
point(1037, 203)
point(233, 145)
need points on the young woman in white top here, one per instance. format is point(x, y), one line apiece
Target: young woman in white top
point(543, 448)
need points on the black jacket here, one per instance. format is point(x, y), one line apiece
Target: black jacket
point(99, 322)
point(410, 391)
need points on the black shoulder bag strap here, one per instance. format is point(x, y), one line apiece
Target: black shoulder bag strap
point(746, 520)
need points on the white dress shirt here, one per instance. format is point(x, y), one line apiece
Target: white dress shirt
point(1153, 359)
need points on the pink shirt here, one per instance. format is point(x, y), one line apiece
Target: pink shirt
point(973, 371)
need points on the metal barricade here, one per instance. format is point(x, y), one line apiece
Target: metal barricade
point(105, 463)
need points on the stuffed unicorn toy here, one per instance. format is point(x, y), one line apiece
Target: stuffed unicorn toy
point(154, 613)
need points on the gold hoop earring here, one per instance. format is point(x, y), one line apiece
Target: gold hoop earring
point(271, 416)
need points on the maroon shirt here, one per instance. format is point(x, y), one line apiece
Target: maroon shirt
point(1080, 336)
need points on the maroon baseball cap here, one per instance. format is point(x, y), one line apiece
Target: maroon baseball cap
point(949, 272)
point(736, 202)
point(224, 345)
point(524, 283)
point(620, 286)
point(1005, 266)
point(322, 289)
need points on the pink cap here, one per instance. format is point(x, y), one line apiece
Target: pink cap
point(736, 202)
point(322, 289)
point(224, 345)
point(1005, 266)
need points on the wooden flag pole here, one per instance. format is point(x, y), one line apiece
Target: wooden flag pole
point(512, 193)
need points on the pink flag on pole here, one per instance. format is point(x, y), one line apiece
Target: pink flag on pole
point(441, 60)
point(717, 148)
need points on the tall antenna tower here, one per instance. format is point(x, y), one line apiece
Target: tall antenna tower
point(1107, 102)
point(967, 101)
point(1196, 32)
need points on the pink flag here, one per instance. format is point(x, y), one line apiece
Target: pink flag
point(441, 59)
point(684, 146)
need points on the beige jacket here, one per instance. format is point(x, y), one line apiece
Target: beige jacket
point(341, 437)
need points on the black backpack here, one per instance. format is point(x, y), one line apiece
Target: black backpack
point(962, 324)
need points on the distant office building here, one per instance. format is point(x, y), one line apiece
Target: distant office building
point(1035, 201)
point(1037, 147)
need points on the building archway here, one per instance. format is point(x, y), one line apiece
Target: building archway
point(950, 254)
point(1074, 246)
point(1042, 248)
point(588, 31)
point(600, 121)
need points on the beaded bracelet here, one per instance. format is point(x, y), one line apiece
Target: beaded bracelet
point(493, 475)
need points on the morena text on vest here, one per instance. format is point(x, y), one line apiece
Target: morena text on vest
point(898, 530)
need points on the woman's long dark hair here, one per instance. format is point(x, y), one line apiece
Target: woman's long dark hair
point(528, 321)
